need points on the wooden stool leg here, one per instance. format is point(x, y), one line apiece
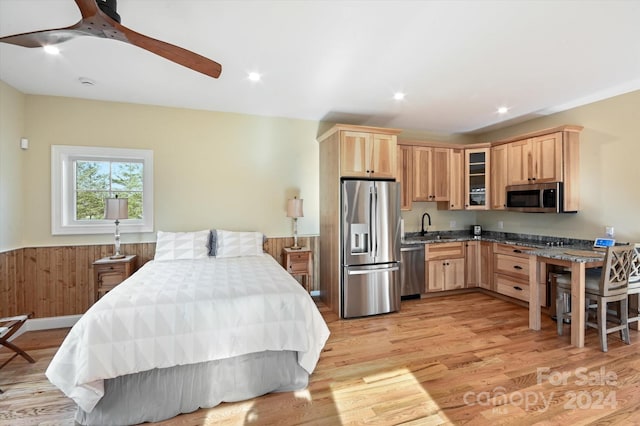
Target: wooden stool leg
point(17, 351)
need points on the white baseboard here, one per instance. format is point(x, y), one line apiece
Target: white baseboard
point(49, 323)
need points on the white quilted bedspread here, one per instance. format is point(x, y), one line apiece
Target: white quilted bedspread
point(187, 311)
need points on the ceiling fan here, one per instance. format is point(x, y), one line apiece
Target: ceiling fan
point(100, 19)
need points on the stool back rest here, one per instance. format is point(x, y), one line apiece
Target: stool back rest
point(635, 265)
point(616, 271)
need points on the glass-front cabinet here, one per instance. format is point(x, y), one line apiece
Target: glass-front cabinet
point(477, 168)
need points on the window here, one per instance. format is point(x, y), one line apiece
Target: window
point(82, 177)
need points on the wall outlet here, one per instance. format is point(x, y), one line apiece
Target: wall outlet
point(452, 224)
point(609, 231)
point(500, 224)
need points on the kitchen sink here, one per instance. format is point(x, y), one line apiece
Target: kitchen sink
point(429, 239)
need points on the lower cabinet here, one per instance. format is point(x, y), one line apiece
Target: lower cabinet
point(511, 273)
point(479, 264)
point(444, 267)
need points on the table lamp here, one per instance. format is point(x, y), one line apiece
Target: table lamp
point(294, 210)
point(116, 209)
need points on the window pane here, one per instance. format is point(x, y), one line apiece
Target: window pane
point(97, 180)
point(92, 175)
point(90, 205)
point(126, 176)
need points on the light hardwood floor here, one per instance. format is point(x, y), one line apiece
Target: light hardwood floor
point(463, 359)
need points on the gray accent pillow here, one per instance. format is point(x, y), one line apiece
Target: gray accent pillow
point(213, 242)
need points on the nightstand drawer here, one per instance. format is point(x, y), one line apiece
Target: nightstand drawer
point(299, 257)
point(298, 266)
point(110, 278)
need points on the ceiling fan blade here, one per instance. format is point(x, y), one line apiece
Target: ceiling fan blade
point(88, 8)
point(173, 53)
point(97, 22)
point(41, 38)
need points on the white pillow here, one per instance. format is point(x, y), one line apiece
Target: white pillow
point(237, 244)
point(182, 245)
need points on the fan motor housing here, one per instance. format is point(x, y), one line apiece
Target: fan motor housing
point(109, 7)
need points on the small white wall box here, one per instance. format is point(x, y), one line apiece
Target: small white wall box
point(24, 143)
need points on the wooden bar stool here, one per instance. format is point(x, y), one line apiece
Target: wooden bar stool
point(611, 284)
point(8, 327)
point(634, 287)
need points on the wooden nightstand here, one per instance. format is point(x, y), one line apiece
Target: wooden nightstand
point(108, 273)
point(299, 262)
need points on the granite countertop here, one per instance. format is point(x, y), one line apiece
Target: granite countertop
point(553, 247)
point(571, 254)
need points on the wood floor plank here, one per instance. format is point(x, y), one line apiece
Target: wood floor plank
point(463, 359)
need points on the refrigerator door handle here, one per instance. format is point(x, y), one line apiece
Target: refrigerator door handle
point(372, 235)
point(374, 225)
point(371, 271)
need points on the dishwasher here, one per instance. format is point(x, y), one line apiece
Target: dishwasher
point(411, 271)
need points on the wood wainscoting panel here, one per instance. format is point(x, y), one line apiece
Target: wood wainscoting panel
point(58, 281)
point(11, 275)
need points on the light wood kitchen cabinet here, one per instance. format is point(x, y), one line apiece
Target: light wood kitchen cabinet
point(456, 181)
point(364, 154)
point(535, 160)
point(479, 264)
point(511, 273)
point(405, 176)
point(499, 177)
point(444, 267)
point(430, 173)
point(477, 167)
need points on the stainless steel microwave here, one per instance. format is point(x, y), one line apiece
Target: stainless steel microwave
point(536, 198)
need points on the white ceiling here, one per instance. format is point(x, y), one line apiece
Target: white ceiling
point(342, 61)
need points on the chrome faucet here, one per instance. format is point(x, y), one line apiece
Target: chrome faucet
point(422, 231)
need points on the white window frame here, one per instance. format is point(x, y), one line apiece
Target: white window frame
point(63, 221)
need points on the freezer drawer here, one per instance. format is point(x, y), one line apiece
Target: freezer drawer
point(370, 290)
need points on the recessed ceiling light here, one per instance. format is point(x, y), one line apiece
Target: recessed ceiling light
point(398, 96)
point(51, 50)
point(503, 110)
point(254, 76)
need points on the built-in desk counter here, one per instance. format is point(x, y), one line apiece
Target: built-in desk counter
point(577, 260)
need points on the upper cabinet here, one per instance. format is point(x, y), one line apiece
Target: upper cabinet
point(535, 160)
point(477, 167)
point(499, 176)
point(551, 155)
point(456, 181)
point(365, 154)
point(405, 175)
point(430, 173)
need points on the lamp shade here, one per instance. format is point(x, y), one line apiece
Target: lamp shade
point(294, 208)
point(116, 208)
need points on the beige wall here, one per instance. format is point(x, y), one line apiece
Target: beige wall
point(211, 170)
point(12, 121)
point(609, 173)
point(236, 171)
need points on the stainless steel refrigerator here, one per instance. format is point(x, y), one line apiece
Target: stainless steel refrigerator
point(370, 239)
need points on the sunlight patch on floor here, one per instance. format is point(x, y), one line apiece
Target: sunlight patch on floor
point(369, 398)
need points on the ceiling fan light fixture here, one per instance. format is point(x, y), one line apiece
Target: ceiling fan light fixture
point(51, 49)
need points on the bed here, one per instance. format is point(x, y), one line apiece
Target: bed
point(186, 333)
